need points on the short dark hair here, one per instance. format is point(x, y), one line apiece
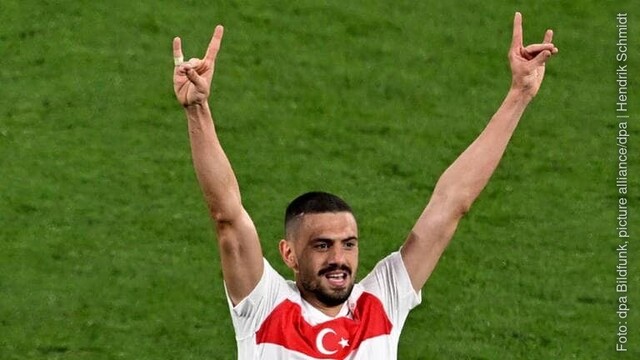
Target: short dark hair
point(314, 202)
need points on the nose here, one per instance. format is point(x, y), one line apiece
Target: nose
point(337, 255)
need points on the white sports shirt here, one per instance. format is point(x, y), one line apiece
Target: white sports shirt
point(273, 322)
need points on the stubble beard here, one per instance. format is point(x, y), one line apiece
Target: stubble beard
point(328, 297)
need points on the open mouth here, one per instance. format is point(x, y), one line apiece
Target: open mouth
point(337, 278)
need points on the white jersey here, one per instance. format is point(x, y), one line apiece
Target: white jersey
point(273, 322)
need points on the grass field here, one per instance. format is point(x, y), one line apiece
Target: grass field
point(106, 250)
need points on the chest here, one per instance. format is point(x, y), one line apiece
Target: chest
point(333, 339)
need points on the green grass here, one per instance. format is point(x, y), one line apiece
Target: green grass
point(106, 251)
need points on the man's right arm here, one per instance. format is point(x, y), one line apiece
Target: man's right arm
point(240, 251)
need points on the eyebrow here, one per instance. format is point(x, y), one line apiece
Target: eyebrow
point(323, 239)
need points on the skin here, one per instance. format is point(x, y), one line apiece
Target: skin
point(453, 195)
point(461, 183)
point(318, 245)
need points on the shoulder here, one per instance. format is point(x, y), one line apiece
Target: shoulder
point(389, 269)
point(271, 289)
point(390, 283)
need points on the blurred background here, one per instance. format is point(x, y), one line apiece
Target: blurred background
point(106, 248)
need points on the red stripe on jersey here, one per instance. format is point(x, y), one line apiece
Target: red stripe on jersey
point(334, 339)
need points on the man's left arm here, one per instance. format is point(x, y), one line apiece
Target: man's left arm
point(462, 182)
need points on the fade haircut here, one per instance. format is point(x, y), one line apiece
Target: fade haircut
point(314, 202)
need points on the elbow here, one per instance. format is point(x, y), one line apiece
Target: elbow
point(456, 202)
point(231, 248)
point(228, 241)
point(460, 209)
point(463, 206)
point(227, 212)
point(221, 217)
point(457, 197)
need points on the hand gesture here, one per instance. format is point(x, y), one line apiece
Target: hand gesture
point(192, 79)
point(527, 63)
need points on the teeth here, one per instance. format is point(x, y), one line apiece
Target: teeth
point(337, 276)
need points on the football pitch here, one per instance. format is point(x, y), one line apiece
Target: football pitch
point(106, 248)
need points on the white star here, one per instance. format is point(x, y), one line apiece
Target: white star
point(343, 342)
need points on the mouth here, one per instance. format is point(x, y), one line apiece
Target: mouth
point(337, 279)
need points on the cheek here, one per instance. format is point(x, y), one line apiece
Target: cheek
point(353, 260)
point(310, 264)
point(353, 254)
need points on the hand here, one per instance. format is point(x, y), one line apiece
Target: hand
point(192, 79)
point(528, 63)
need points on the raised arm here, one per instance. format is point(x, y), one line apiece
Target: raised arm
point(240, 252)
point(462, 182)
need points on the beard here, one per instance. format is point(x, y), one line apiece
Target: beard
point(327, 296)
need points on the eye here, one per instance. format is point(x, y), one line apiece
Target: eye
point(350, 244)
point(321, 246)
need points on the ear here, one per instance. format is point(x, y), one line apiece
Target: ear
point(288, 255)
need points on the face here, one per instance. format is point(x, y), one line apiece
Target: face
point(324, 256)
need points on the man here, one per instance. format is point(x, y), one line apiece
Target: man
point(324, 314)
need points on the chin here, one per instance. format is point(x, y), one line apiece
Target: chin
point(334, 297)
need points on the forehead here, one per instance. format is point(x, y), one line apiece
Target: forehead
point(338, 225)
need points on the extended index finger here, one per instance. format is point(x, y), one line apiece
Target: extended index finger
point(214, 44)
point(517, 30)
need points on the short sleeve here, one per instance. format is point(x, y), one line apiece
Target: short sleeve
point(389, 281)
point(249, 313)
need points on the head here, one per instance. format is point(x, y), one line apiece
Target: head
point(321, 247)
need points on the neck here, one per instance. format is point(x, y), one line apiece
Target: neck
point(324, 308)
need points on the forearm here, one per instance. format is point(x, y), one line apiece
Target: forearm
point(457, 188)
point(213, 170)
point(463, 181)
